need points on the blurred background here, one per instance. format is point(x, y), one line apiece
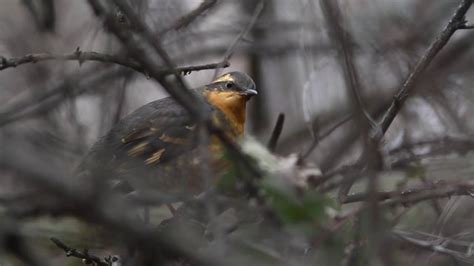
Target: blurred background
point(52, 111)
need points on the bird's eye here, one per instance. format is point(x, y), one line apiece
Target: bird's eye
point(229, 85)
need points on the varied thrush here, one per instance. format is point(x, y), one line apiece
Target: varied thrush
point(157, 146)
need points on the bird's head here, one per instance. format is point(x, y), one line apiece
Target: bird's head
point(230, 93)
point(235, 85)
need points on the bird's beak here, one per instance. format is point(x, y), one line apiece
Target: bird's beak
point(249, 92)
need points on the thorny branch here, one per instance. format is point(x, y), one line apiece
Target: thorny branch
point(82, 57)
point(86, 257)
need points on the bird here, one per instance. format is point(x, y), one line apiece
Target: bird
point(158, 145)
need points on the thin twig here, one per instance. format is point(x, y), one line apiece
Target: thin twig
point(85, 256)
point(456, 22)
point(272, 143)
point(325, 134)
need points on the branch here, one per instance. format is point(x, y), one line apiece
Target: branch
point(43, 13)
point(342, 39)
point(325, 134)
point(81, 57)
point(78, 55)
point(272, 143)
point(416, 194)
point(457, 21)
point(466, 26)
point(411, 152)
point(146, 49)
point(86, 257)
point(433, 245)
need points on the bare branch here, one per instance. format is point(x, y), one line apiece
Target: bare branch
point(85, 255)
point(43, 13)
point(81, 57)
point(324, 135)
point(78, 55)
point(146, 48)
point(434, 246)
point(453, 25)
point(466, 26)
point(414, 195)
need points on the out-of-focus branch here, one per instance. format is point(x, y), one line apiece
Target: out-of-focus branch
point(83, 203)
point(456, 22)
point(86, 257)
point(466, 26)
point(146, 49)
point(43, 13)
point(230, 50)
point(407, 153)
point(39, 105)
point(272, 143)
point(342, 39)
point(324, 135)
point(432, 246)
point(81, 57)
point(370, 154)
point(416, 194)
point(187, 19)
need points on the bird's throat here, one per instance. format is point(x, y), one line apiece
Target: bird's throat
point(232, 104)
